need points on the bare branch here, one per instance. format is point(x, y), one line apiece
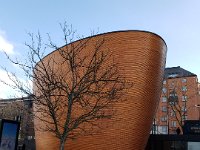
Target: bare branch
point(72, 88)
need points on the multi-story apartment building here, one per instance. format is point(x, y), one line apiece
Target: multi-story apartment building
point(179, 101)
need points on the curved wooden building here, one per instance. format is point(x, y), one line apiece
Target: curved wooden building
point(141, 59)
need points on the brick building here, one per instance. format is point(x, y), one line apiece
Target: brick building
point(20, 109)
point(140, 58)
point(179, 101)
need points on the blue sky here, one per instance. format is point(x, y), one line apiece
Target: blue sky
point(176, 21)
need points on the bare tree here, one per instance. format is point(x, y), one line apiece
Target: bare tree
point(177, 103)
point(177, 109)
point(73, 89)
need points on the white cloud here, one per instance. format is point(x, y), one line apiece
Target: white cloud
point(5, 45)
point(5, 90)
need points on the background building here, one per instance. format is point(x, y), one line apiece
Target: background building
point(20, 109)
point(179, 101)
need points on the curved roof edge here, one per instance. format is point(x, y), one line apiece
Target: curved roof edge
point(127, 31)
point(105, 34)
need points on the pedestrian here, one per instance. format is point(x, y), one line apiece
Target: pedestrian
point(178, 131)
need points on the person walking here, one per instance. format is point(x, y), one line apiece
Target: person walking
point(178, 131)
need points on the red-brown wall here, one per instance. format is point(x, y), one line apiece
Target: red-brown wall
point(191, 113)
point(141, 59)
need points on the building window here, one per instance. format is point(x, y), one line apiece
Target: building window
point(173, 94)
point(29, 105)
point(173, 124)
point(163, 118)
point(173, 113)
point(29, 137)
point(184, 88)
point(173, 103)
point(184, 117)
point(184, 80)
point(184, 98)
point(172, 75)
point(164, 99)
point(164, 82)
point(18, 118)
point(173, 98)
point(164, 90)
point(164, 108)
point(184, 109)
point(164, 129)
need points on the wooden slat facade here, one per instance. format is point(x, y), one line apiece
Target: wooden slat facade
point(141, 59)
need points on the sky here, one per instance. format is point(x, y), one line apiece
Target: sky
point(176, 21)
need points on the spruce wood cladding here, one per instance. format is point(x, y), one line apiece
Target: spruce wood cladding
point(140, 57)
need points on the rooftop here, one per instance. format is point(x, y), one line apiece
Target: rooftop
point(177, 72)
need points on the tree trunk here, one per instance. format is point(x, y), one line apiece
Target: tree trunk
point(62, 144)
